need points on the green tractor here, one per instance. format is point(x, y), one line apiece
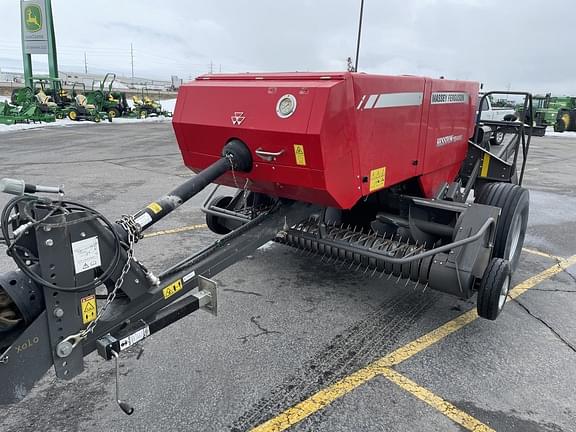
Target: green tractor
point(85, 109)
point(145, 106)
point(113, 103)
point(47, 93)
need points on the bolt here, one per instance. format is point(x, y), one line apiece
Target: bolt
point(47, 228)
point(82, 234)
point(49, 242)
point(58, 312)
point(137, 281)
point(64, 349)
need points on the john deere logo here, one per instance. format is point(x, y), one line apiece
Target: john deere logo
point(33, 19)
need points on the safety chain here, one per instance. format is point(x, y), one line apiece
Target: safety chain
point(244, 189)
point(133, 231)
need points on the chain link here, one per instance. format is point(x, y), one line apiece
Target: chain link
point(244, 189)
point(133, 232)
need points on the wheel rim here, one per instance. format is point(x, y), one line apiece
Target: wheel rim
point(515, 232)
point(503, 293)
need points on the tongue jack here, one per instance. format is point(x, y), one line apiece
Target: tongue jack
point(125, 406)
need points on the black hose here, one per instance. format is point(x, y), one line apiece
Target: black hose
point(64, 206)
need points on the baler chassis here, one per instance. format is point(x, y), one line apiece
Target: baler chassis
point(69, 256)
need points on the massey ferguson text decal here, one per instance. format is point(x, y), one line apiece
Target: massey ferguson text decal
point(448, 98)
point(442, 141)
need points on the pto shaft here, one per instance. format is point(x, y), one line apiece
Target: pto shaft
point(235, 156)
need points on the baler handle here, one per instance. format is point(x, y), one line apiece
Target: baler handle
point(268, 156)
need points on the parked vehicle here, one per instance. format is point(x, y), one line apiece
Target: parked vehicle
point(491, 113)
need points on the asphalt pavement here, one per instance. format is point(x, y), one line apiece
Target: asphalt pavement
point(296, 340)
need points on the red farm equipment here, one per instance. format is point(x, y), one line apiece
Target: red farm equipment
point(394, 175)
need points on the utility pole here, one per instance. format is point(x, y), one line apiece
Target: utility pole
point(85, 64)
point(132, 61)
point(359, 35)
point(211, 67)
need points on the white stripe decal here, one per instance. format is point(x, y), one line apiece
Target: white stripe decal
point(371, 101)
point(390, 100)
point(361, 102)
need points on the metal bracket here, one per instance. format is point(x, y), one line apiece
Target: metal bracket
point(210, 288)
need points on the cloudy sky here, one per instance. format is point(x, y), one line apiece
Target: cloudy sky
point(517, 44)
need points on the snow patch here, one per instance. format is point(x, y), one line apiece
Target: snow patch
point(266, 245)
point(550, 133)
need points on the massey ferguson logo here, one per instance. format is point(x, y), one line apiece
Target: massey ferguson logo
point(238, 118)
point(442, 141)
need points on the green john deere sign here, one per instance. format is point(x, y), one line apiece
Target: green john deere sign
point(33, 18)
point(34, 30)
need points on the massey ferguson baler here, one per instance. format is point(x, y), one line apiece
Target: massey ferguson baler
point(393, 176)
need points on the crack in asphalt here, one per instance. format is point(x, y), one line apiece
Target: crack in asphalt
point(263, 331)
point(243, 292)
point(553, 290)
point(552, 329)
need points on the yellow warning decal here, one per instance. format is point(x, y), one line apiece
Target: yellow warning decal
point(299, 153)
point(485, 165)
point(155, 207)
point(88, 306)
point(172, 289)
point(377, 178)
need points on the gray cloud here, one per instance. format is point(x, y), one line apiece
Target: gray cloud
point(515, 43)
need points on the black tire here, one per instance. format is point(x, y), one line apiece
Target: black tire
point(498, 137)
point(73, 115)
point(113, 112)
point(213, 221)
point(559, 126)
point(514, 201)
point(494, 289)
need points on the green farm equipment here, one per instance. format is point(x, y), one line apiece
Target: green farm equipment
point(47, 93)
point(113, 103)
point(556, 111)
point(84, 108)
point(27, 112)
point(145, 106)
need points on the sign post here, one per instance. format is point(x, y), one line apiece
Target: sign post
point(38, 36)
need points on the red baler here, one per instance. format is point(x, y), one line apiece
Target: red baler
point(375, 172)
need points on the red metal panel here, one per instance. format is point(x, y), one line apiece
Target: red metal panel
point(346, 130)
point(388, 117)
point(449, 125)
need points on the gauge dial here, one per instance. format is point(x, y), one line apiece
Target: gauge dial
point(286, 106)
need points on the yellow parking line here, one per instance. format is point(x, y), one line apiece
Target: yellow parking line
point(326, 396)
point(445, 407)
point(540, 253)
point(175, 230)
point(317, 401)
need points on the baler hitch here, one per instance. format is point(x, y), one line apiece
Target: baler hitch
point(70, 255)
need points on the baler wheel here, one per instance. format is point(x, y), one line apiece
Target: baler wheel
point(498, 137)
point(213, 221)
point(514, 201)
point(494, 289)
